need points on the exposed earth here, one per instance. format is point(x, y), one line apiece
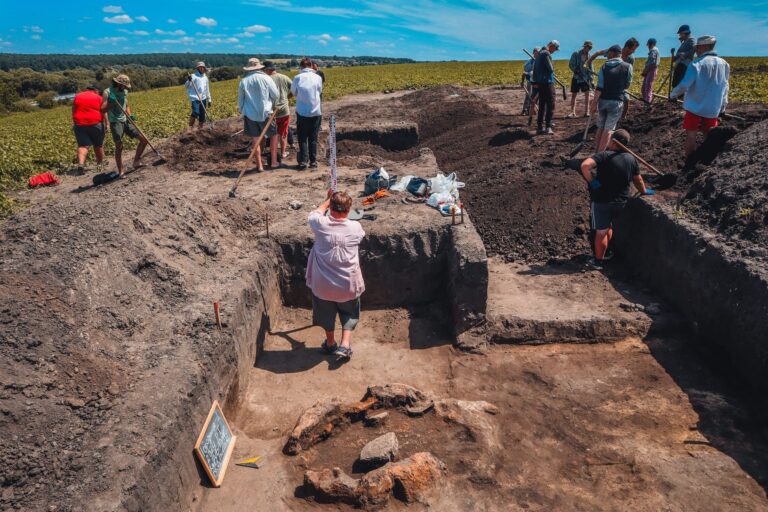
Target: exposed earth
point(110, 353)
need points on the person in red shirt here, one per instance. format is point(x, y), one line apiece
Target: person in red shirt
point(88, 126)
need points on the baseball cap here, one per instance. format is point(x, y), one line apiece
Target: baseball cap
point(622, 136)
point(588, 43)
point(268, 64)
point(652, 40)
point(615, 49)
point(684, 29)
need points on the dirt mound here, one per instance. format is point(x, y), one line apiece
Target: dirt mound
point(207, 149)
point(731, 195)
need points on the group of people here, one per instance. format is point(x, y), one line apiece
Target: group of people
point(702, 81)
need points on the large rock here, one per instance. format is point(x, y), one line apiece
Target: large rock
point(407, 397)
point(315, 424)
point(381, 450)
point(332, 485)
point(412, 479)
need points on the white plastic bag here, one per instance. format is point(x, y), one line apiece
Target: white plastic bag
point(438, 198)
point(401, 184)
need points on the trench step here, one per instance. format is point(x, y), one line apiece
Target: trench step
point(559, 304)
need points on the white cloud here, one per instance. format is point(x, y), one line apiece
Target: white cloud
point(5, 43)
point(170, 32)
point(345, 38)
point(112, 9)
point(36, 37)
point(82, 38)
point(206, 22)
point(133, 32)
point(326, 37)
point(323, 42)
point(102, 40)
point(36, 29)
point(120, 19)
point(246, 34)
point(239, 46)
point(180, 40)
point(339, 12)
point(142, 19)
point(172, 21)
point(218, 40)
point(257, 29)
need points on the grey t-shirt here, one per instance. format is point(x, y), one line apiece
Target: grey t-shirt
point(283, 84)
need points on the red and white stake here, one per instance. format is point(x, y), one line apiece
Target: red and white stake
point(332, 145)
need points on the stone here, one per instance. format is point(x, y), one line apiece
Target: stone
point(400, 395)
point(315, 424)
point(381, 450)
point(332, 485)
point(375, 420)
point(411, 480)
point(296, 205)
point(75, 403)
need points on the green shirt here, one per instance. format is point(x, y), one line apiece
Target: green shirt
point(113, 111)
point(283, 84)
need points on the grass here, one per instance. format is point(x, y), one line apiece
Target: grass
point(41, 141)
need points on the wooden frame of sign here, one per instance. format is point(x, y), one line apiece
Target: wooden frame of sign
point(205, 447)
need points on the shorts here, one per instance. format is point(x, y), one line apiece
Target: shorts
point(92, 135)
point(603, 214)
point(122, 128)
point(324, 313)
point(254, 128)
point(283, 124)
point(577, 86)
point(608, 114)
point(198, 110)
point(693, 123)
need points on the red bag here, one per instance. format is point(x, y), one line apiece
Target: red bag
point(46, 178)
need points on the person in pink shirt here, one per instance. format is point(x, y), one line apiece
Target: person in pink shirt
point(333, 271)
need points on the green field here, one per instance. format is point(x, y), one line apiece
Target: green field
point(41, 141)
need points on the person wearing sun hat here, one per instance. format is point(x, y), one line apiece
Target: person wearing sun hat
point(199, 94)
point(256, 98)
point(113, 98)
point(705, 86)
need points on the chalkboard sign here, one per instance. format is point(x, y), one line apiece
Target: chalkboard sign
point(215, 444)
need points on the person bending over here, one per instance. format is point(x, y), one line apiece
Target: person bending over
point(333, 272)
point(608, 175)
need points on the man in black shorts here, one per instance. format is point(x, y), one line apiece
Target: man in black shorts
point(581, 67)
point(608, 175)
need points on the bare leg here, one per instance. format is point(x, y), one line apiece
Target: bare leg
point(82, 154)
point(603, 139)
point(690, 142)
point(273, 146)
point(346, 338)
point(587, 97)
point(119, 157)
point(139, 151)
point(99, 152)
point(573, 102)
point(283, 146)
point(330, 338)
point(602, 237)
point(259, 163)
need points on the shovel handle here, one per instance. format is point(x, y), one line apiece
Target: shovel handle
point(639, 159)
point(256, 145)
point(128, 118)
point(200, 99)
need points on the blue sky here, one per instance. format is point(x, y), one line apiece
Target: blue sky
point(420, 29)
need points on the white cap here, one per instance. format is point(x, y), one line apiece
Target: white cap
point(554, 43)
point(706, 40)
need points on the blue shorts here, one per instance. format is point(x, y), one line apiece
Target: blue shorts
point(198, 112)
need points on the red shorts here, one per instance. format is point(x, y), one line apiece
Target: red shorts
point(693, 123)
point(282, 125)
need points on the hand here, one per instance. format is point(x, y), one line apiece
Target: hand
point(210, 100)
point(133, 117)
point(595, 184)
point(649, 192)
point(330, 193)
point(670, 98)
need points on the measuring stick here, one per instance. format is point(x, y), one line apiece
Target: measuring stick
point(332, 144)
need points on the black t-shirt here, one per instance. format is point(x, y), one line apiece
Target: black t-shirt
point(615, 171)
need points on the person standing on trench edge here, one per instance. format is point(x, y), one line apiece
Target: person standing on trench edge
point(113, 98)
point(333, 272)
point(608, 175)
point(307, 87)
point(199, 93)
point(612, 81)
point(89, 126)
point(544, 77)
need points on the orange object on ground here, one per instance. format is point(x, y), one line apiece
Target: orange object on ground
point(46, 178)
point(372, 198)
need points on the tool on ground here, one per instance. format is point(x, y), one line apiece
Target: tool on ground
point(663, 83)
point(332, 144)
point(671, 71)
point(266, 222)
point(237, 133)
point(253, 462)
point(638, 98)
point(663, 181)
point(374, 197)
point(581, 144)
point(217, 314)
point(161, 160)
point(722, 114)
point(256, 147)
point(202, 104)
point(531, 105)
point(565, 94)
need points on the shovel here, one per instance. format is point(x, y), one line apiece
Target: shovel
point(583, 138)
point(161, 160)
point(202, 105)
point(671, 71)
point(663, 181)
point(256, 147)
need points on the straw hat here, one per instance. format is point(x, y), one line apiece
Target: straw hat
point(122, 80)
point(706, 40)
point(200, 64)
point(254, 64)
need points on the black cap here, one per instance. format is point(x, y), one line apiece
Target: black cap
point(621, 136)
point(615, 48)
point(684, 29)
point(268, 64)
point(93, 87)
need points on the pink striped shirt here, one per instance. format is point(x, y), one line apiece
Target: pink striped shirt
point(333, 269)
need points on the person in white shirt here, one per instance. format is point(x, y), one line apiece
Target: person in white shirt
point(199, 94)
point(705, 86)
point(307, 87)
point(256, 97)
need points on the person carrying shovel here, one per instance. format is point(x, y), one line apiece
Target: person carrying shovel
point(199, 94)
point(115, 104)
point(544, 78)
point(608, 175)
point(581, 67)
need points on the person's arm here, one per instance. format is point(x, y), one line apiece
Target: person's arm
point(594, 56)
point(240, 97)
point(587, 166)
point(598, 91)
point(325, 205)
point(629, 78)
point(294, 87)
point(640, 186)
point(573, 64)
point(727, 87)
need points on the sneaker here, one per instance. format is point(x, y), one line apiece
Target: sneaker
point(313, 165)
point(540, 131)
point(595, 263)
point(328, 349)
point(549, 131)
point(571, 115)
point(343, 353)
point(301, 167)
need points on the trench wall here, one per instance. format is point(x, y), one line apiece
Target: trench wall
point(172, 479)
point(725, 298)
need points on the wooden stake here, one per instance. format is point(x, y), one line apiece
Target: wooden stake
point(266, 219)
point(461, 205)
point(217, 313)
point(453, 215)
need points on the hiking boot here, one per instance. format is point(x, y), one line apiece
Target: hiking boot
point(301, 167)
point(595, 263)
point(540, 131)
point(549, 131)
point(343, 353)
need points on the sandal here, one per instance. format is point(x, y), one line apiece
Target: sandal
point(328, 350)
point(343, 353)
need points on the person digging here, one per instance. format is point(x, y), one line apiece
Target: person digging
point(333, 272)
point(114, 97)
point(199, 93)
point(608, 175)
point(613, 79)
point(582, 77)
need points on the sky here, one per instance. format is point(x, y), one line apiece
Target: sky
point(418, 29)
